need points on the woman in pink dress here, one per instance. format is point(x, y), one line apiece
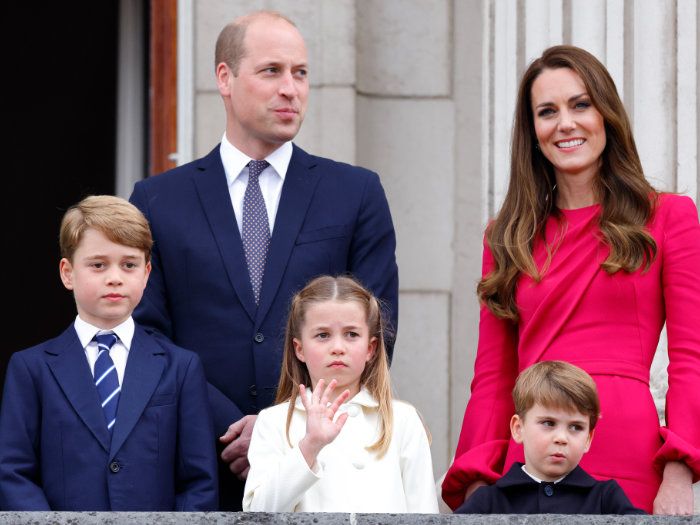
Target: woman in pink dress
point(585, 262)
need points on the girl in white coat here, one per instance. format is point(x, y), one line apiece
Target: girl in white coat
point(359, 452)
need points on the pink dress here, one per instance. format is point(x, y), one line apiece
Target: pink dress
point(609, 325)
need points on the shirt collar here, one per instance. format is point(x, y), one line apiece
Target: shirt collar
point(362, 398)
point(234, 160)
point(538, 480)
point(517, 476)
point(86, 332)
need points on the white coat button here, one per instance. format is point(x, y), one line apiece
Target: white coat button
point(358, 464)
point(353, 410)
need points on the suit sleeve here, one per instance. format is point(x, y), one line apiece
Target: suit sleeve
point(372, 257)
point(485, 434)
point(681, 290)
point(197, 485)
point(279, 475)
point(153, 312)
point(615, 501)
point(20, 421)
point(478, 503)
point(417, 466)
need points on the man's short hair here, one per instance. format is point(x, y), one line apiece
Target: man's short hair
point(230, 47)
point(117, 219)
point(557, 384)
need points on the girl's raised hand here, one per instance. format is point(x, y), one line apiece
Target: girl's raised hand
point(320, 427)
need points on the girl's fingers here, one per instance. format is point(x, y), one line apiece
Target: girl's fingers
point(327, 392)
point(339, 401)
point(340, 422)
point(316, 395)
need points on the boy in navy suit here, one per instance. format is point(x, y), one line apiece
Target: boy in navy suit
point(557, 408)
point(105, 416)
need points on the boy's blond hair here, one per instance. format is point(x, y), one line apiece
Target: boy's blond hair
point(117, 219)
point(557, 384)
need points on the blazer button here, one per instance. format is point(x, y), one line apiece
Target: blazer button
point(548, 490)
point(114, 467)
point(253, 390)
point(259, 338)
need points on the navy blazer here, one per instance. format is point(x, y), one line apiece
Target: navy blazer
point(55, 449)
point(577, 493)
point(333, 218)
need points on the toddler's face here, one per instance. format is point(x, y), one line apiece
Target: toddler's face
point(335, 344)
point(554, 440)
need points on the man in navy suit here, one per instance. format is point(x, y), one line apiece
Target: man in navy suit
point(235, 238)
point(106, 416)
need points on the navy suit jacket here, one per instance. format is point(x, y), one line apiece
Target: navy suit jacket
point(55, 449)
point(577, 493)
point(333, 218)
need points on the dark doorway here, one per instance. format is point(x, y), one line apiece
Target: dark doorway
point(60, 81)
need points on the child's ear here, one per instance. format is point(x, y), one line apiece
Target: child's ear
point(298, 350)
point(371, 349)
point(65, 269)
point(516, 428)
point(146, 273)
point(590, 440)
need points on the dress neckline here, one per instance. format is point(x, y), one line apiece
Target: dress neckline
point(580, 213)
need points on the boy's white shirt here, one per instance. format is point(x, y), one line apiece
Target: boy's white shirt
point(538, 480)
point(119, 352)
point(348, 477)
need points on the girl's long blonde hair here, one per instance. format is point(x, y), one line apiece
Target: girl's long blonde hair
point(375, 376)
point(627, 199)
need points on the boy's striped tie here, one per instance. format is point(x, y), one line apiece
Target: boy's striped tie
point(106, 379)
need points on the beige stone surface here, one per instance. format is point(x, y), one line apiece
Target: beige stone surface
point(210, 18)
point(210, 122)
point(421, 364)
point(403, 47)
point(329, 126)
point(471, 181)
point(410, 143)
point(328, 28)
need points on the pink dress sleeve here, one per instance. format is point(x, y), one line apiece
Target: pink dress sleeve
point(681, 289)
point(485, 434)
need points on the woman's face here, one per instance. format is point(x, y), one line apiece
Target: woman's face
point(569, 129)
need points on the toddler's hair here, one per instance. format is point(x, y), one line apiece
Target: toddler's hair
point(557, 384)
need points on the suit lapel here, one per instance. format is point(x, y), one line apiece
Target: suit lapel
point(69, 366)
point(297, 192)
point(144, 368)
point(216, 203)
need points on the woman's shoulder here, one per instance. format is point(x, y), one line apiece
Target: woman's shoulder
point(677, 207)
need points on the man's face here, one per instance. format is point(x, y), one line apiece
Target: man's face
point(266, 101)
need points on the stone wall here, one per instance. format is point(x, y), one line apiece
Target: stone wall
point(241, 518)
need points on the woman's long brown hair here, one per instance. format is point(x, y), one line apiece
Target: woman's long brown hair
point(626, 198)
point(375, 377)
